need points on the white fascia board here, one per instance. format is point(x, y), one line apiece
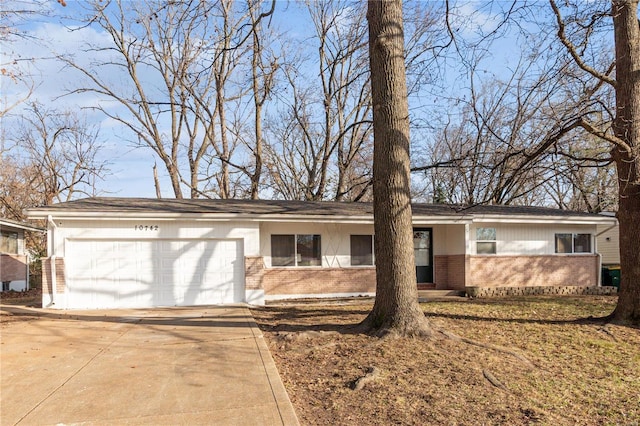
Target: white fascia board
point(591, 220)
point(222, 217)
point(441, 220)
point(24, 227)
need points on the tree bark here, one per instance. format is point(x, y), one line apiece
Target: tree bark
point(627, 128)
point(396, 309)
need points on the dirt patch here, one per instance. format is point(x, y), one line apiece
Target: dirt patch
point(30, 298)
point(580, 371)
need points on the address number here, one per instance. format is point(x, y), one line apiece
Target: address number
point(146, 227)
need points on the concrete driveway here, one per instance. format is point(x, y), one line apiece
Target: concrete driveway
point(206, 365)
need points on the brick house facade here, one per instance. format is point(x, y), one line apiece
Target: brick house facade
point(14, 262)
point(119, 252)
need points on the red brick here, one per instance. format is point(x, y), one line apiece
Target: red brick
point(13, 267)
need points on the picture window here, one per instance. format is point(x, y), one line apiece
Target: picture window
point(296, 250)
point(573, 243)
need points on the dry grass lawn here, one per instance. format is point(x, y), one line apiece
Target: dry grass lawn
point(581, 371)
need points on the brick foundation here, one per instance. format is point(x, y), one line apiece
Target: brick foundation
point(46, 276)
point(13, 267)
point(487, 292)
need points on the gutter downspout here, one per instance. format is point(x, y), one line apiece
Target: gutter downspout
point(28, 257)
point(52, 259)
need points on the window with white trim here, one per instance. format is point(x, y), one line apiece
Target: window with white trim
point(296, 250)
point(486, 241)
point(361, 250)
point(573, 243)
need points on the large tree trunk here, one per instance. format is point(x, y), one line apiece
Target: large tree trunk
point(627, 128)
point(396, 309)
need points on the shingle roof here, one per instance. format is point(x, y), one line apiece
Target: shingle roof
point(280, 207)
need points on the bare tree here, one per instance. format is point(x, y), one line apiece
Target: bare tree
point(179, 62)
point(54, 157)
point(13, 72)
point(59, 154)
point(396, 307)
point(501, 143)
point(263, 70)
point(583, 176)
point(578, 35)
point(328, 124)
point(16, 191)
point(245, 49)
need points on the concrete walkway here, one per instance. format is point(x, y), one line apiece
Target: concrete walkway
point(177, 366)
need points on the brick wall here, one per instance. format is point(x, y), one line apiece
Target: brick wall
point(531, 271)
point(253, 273)
point(451, 271)
point(458, 271)
point(46, 276)
point(441, 272)
point(13, 267)
point(285, 281)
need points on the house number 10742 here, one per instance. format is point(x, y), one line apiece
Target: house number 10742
point(146, 227)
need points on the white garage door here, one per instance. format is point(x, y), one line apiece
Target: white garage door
point(146, 273)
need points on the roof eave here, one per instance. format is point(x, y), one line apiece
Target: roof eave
point(135, 215)
point(586, 220)
point(10, 224)
point(418, 219)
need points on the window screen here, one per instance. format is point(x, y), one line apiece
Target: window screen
point(573, 243)
point(361, 250)
point(296, 250)
point(308, 250)
point(486, 240)
point(8, 242)
point(283, 250)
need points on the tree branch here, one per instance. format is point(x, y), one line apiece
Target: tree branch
point(571, 48)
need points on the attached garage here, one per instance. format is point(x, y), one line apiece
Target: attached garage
point(147, 273)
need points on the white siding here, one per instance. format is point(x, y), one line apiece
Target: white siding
point(528, 239)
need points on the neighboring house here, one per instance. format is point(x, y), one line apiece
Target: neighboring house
point(609, 242)
point(126, 252)
point(14, 263)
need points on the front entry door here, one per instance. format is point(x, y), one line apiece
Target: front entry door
point(423, 254)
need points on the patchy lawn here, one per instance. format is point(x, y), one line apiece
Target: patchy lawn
point(580, 372)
